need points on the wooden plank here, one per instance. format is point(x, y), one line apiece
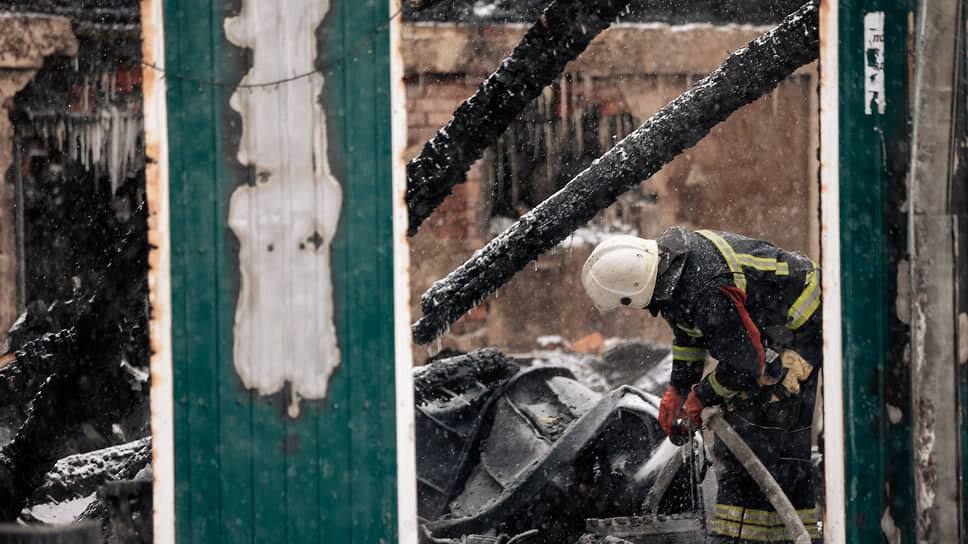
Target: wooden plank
point(873, 52)
point(280, 438)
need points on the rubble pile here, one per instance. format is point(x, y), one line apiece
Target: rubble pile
point(531, 454)
point(79, 381)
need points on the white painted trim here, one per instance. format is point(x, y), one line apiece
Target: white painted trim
point(833, 405)
point(406, 432)
point(159, 273)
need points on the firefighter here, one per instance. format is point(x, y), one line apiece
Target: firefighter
point(755, 308)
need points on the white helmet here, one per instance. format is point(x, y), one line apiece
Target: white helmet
point(621, 271)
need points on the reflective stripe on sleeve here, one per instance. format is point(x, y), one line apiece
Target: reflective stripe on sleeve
point(719, 388)
point(807, 303)
point(681, 353)
point(764, 263)
point(695, 333)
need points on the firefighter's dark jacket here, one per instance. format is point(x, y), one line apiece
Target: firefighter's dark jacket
point(731, 297)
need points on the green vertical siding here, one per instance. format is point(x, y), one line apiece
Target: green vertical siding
point(244, 471)
point(878, 474)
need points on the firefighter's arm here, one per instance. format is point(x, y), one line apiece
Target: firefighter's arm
point(688, 358)
point(734, 340)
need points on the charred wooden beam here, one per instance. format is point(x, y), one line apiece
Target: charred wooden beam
point(86, 379)
point(563, 31)
point(441, 380)
point(82, 474)
point(746, 75)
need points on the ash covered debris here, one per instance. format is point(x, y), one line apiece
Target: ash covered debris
point(746, 75)
point(79, 371)
point(78, 384)
point(564, 29)
point(533, 453)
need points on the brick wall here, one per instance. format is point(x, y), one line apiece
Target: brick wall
point(754, 174)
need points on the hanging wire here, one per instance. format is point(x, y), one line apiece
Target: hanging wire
point(324, 68)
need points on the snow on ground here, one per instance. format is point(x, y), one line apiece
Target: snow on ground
point(641, 364)
point(61, 513)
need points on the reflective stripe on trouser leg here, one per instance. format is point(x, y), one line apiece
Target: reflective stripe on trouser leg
point(754, 525)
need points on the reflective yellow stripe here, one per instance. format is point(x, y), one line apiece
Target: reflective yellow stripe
point(729, 512)
point(759, 534)
point(680, 353)
point(695, 333)
point(759, 525)
point(727, 528)
point(764, 263)
point(806, 304)
point(719, 388)
point(731, 260)
point(762, 517)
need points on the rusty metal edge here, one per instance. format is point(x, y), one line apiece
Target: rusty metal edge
point(833, 406)
point(406, 429)
point(159, 267)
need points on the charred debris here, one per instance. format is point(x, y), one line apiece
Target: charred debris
point(74, 383)
point(81, 340)
point(519, 448)
point(746, 75)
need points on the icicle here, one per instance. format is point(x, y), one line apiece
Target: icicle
point(564, 96)
point(549, 157)
point(579, 129)
point(84, 102)
point(775, 95)
point(116, 144)
point(440, 344)
point(513, 163)
point(536, 265)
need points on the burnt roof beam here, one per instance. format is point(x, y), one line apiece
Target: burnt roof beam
point(746, 75)
point(562, 32)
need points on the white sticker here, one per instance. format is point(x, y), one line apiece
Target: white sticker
point(874, 62)
point(285, 222)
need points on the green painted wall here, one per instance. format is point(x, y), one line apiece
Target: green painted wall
point(873, 155)
point(244, 472)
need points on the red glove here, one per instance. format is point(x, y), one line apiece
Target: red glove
point(670, 409)
point(694, 408)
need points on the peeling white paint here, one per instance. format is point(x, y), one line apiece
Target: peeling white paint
point(894, 414)
point(874, 62)
point(892, 533)
point(285, 223)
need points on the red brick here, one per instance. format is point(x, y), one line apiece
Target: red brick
point(612, 107)
point(448, 89)
point(438, 119)
point(594, 343)
point(445, 105)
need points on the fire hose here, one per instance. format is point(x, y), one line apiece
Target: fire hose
point(713, 419)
